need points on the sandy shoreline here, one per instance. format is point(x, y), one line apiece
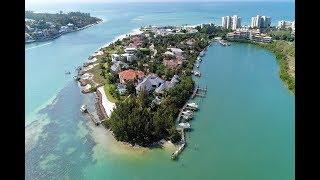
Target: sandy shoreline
point(107, 105)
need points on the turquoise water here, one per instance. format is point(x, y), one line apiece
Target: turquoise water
point(244, 130)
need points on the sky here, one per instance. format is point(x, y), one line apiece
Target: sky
point(117, 1)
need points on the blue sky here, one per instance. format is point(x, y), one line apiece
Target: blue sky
point(117, 1)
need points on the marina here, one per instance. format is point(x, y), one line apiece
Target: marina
point(186, 114)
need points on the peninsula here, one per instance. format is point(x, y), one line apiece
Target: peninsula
point(45, 26)
point(148, 78)
point(143, 81)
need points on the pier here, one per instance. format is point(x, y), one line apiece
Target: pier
point(175, 154)
point(198, 91)
point(188, 107)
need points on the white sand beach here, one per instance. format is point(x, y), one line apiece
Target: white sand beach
point(133, 32)
point(107, 105)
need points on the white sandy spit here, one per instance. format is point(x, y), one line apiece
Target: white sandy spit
point(107, 105)
point(133, 32)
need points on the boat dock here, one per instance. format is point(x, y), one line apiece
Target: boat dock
point(175, 154)
point(185, 114)
point(199, 92)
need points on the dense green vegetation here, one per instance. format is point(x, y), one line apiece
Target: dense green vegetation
point(213, 31)
point(61, 19)
point(283, 50)
point(281, 35)
point(134, 120)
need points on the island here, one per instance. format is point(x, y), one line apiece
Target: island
point(45, 26)
point(143, 82)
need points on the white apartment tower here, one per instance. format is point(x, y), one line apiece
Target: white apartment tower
point(236, 22)
point(224, 22)
point(260, 21)
point(231, 22)
point(228, 22)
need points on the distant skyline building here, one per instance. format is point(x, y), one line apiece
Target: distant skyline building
point(224, 22)
point(260, 21)
point(228, 22)
point(231, 22)
point(236, 22)
point(286, 24)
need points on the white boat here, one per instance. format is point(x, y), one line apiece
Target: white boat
point(185, 125)
point(187, 112)
point(186, 117)
point(193, 105)
point(197, 73)
point(83, 108)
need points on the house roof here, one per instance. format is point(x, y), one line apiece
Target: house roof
point(176, 50)
point(172, 63)
point(130, 74)
point(167, 84)
point(149, 81)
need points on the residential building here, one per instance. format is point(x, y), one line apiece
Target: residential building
point(169, 53)
point(167, 84)
point(239, 35)
point(255, 21)
point(149, 83)
point(190, 42)
point(231, 22)
point(285, 24)
point(172, 63)
point(293, 26)
point(135, 41)
point(266, 39)
point(224, 22)
point(118, 66)
point(176, 51)
point(266, 22)
point(115, 57)
point(121, 88)
point(130, 50)
point(129, 57)
point(228, 22)
point(236, 22)
point(130, 75)
point(260, 22)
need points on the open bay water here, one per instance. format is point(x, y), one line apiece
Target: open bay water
point(244, 129)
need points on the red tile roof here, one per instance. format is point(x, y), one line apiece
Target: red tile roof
point(172, 63)
point(130, 74)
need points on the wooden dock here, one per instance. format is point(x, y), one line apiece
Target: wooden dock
point(196, 92)
point(175, 154)
point(199, 92)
